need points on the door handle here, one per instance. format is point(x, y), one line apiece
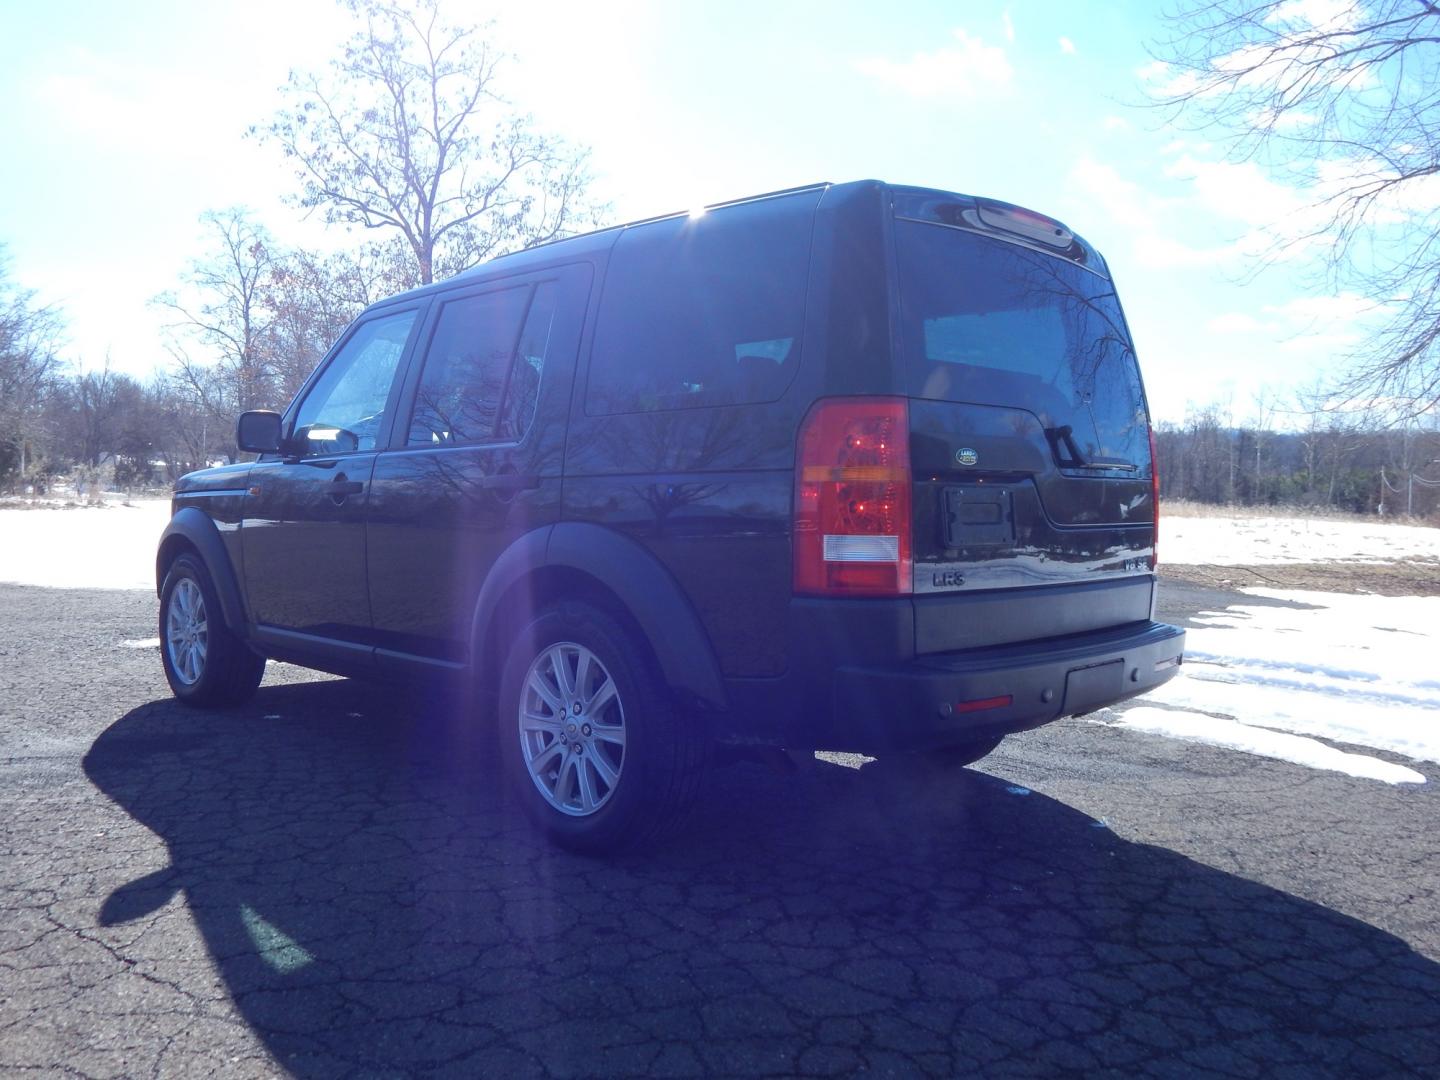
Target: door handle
point(341, 487)
point(510, 482)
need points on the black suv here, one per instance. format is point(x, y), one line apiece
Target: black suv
point(854, 467)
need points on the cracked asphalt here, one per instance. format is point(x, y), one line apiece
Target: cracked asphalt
point(327, 882)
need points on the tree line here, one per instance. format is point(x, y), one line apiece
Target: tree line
point(1322, 457)
point(404, 136)
point(251, 321)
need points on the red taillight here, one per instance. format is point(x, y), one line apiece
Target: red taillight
point(852, 498)
point(1155, 502)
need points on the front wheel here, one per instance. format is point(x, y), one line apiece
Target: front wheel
point(205, 663)
point(592, 746)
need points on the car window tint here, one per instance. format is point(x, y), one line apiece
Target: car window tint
point(343, 410)
point(518, 406)
point(1001, 324)
point(463, 381)
point(703, 310)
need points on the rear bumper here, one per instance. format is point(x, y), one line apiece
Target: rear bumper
point(856, 680)
point(956, 697)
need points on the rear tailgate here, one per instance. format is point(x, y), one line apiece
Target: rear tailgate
point(1033, 514)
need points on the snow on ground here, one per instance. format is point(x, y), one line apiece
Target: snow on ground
point(1359, 670)
point(1255, 740)
point(1249, 541)
point(83, 547)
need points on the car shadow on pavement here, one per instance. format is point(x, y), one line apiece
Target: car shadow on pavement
point(374, 905)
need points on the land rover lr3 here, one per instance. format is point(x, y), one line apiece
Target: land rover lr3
point(851, 467)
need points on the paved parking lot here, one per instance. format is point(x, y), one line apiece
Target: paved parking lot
point(327, 882)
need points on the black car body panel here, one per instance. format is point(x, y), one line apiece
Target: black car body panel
point(629, 431)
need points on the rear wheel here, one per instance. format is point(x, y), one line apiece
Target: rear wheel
point(592, 746)
point(205, 663)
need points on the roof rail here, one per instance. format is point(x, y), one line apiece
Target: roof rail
point(819, 185)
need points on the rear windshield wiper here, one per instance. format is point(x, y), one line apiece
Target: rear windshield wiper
point(1074, 459)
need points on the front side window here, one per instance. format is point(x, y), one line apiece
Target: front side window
point(343, 410)
point(703, 310)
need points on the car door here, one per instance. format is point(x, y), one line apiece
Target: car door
point(476, 460)
point(303, 531)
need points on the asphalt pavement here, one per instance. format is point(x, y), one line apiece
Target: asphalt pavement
point(329, 881)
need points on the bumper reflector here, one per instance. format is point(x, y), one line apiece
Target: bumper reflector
point(984, 703)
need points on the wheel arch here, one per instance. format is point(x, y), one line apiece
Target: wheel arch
point(576, 560)
point(190, 530)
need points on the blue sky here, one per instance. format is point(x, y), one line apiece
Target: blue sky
point(122, 124)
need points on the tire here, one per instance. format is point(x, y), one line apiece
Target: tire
point(622, 767)
point(205, 663)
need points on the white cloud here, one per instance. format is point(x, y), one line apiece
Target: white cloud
point(1120, 198)
point(1345, 307)
point(1067, 46)
point(1161, 80)
point(966, 69)
point(1319, 14)
point(1238, 191)
point(1297, 53)
point(1009, 27)
point(1116, 123)
point(1303, 324)
point(1157, 251)
point(1143, 215)
point(1234, 322)
point(1283, 120)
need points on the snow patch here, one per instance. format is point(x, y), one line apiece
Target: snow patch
point(93, 547)
point(1350, 669)
point(1238, 541)
point(1274, 744)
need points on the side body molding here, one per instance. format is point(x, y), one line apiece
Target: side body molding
point(194, 528)
point(638, 580)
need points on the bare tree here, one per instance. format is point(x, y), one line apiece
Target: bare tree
point(29, 370)
point(1343, 100)
point(314, 297)
point(224, 307)
point(407, 131)
point(96, 405)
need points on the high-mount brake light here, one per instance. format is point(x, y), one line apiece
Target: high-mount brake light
point(852, 499)
point(1154, 502)
point(1026, 223)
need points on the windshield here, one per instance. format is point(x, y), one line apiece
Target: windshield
point(995, 323)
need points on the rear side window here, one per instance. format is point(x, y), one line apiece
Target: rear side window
point(994, 323)
point(703, 310)
point(482, 370)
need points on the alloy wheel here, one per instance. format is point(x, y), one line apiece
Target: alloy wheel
point(572, 729)
point(186, 631)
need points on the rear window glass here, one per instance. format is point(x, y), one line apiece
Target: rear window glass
point(994, 323)
point(703, 310)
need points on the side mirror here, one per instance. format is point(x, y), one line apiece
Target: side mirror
point(258, 432)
